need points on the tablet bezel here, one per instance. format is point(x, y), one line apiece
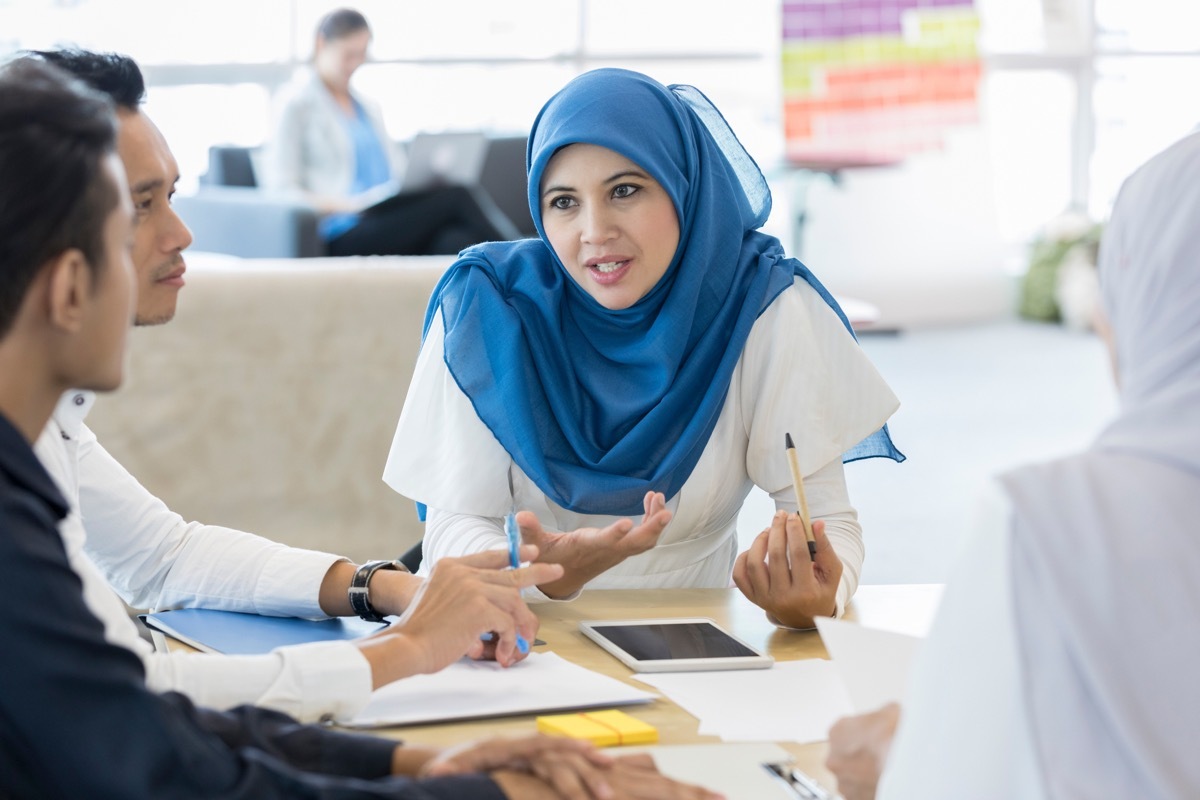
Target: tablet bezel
point(593, 630)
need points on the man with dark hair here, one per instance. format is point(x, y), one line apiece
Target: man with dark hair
point(62, 206)
point(76, 719)
point(123, 540)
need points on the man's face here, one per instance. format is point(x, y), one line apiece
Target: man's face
point(159, 236)
point(100, 357)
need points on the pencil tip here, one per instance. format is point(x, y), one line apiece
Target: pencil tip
point(790, 446)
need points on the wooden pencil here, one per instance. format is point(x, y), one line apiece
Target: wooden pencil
point(798, 482)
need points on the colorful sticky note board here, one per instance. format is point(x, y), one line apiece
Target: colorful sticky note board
point(879, 78)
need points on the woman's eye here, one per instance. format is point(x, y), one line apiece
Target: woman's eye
point(625, 190)
point(561, 203)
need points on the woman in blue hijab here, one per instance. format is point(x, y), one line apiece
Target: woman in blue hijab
point(628, 376)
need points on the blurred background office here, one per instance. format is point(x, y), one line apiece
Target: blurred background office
point(940, 162)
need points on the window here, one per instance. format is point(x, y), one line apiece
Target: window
point(1076, 92)
point(1113, 71)
point(461, 64)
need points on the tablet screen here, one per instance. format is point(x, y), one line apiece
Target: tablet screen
point(674, 641)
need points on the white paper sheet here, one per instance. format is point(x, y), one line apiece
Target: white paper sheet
point(470, 689)
point(793, 701)
point(734, 770)
point(872, 663)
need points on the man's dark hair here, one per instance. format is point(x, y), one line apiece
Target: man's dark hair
point(55, 133)
point(342, 22)
point(113, 74)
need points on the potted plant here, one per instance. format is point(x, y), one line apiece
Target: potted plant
point(1060, 284)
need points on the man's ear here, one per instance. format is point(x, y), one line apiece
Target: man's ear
point(69, 283)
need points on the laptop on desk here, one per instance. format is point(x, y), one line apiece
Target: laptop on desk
point(444, 159)
point(453, 158)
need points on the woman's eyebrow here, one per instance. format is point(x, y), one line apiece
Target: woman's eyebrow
point(626, 173)
point(553, 189)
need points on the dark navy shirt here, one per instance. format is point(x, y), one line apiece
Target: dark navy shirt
point(76, 719)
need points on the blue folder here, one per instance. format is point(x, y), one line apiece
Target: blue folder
point(235, 633)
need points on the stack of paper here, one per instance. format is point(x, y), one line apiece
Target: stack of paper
point(797, 701)
point(735, 770)
point(469, 689)
point(873, 664)
point(465, 690)
point(794, 701)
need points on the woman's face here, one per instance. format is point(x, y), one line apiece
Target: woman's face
point(337, 59)
point(613, 226)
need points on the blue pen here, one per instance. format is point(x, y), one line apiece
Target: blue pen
point(513, 535)
point(514, 558)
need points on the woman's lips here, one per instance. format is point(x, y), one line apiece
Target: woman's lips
point(607, 278)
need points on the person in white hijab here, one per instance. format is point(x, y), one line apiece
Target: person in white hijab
point(1063, 660)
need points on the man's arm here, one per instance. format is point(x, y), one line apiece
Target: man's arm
point(391, 591)
point(154, 559)
point(69, 696)
point(311, 682)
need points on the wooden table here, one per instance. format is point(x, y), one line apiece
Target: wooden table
point(904, 608)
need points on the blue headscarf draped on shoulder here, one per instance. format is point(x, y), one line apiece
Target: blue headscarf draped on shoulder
point(599, 406)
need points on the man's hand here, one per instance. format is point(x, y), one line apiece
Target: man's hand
point(636, 777)
point(858, 750)
point(462, 599)
point(549, 767)
point(587, 552)
point(778, 574)
point(573, 768)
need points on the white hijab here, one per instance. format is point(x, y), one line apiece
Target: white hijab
point(1106, 544)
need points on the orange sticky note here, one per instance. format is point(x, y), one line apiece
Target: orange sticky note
point(601, 728)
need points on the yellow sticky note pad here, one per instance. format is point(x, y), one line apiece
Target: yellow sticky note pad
point(601, 728)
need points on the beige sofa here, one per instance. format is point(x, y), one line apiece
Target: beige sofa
point(269, 403)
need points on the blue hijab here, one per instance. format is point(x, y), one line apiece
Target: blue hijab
point(599, 406)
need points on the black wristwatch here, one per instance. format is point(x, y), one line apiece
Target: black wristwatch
point(359, 594)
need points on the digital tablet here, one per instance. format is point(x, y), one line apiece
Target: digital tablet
point(688, 644)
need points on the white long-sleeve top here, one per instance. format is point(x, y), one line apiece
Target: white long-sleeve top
point(799, 373)
point(128, 547)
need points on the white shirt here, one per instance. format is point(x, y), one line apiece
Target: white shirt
point(128, 547)
point(800, 372)
point(964, 731)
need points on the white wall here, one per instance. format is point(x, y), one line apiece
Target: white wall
point(918, 240)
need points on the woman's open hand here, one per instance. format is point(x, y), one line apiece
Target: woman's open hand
point(587, 552)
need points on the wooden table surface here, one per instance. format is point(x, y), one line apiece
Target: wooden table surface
point(905, 608)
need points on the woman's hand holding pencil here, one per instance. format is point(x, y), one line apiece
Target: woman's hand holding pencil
point(778, 574)
point(791, 569)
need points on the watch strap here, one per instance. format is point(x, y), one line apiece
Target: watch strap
point(359, 591)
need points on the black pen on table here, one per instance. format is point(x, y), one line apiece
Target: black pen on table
point(801, 785)
point(802, 503)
